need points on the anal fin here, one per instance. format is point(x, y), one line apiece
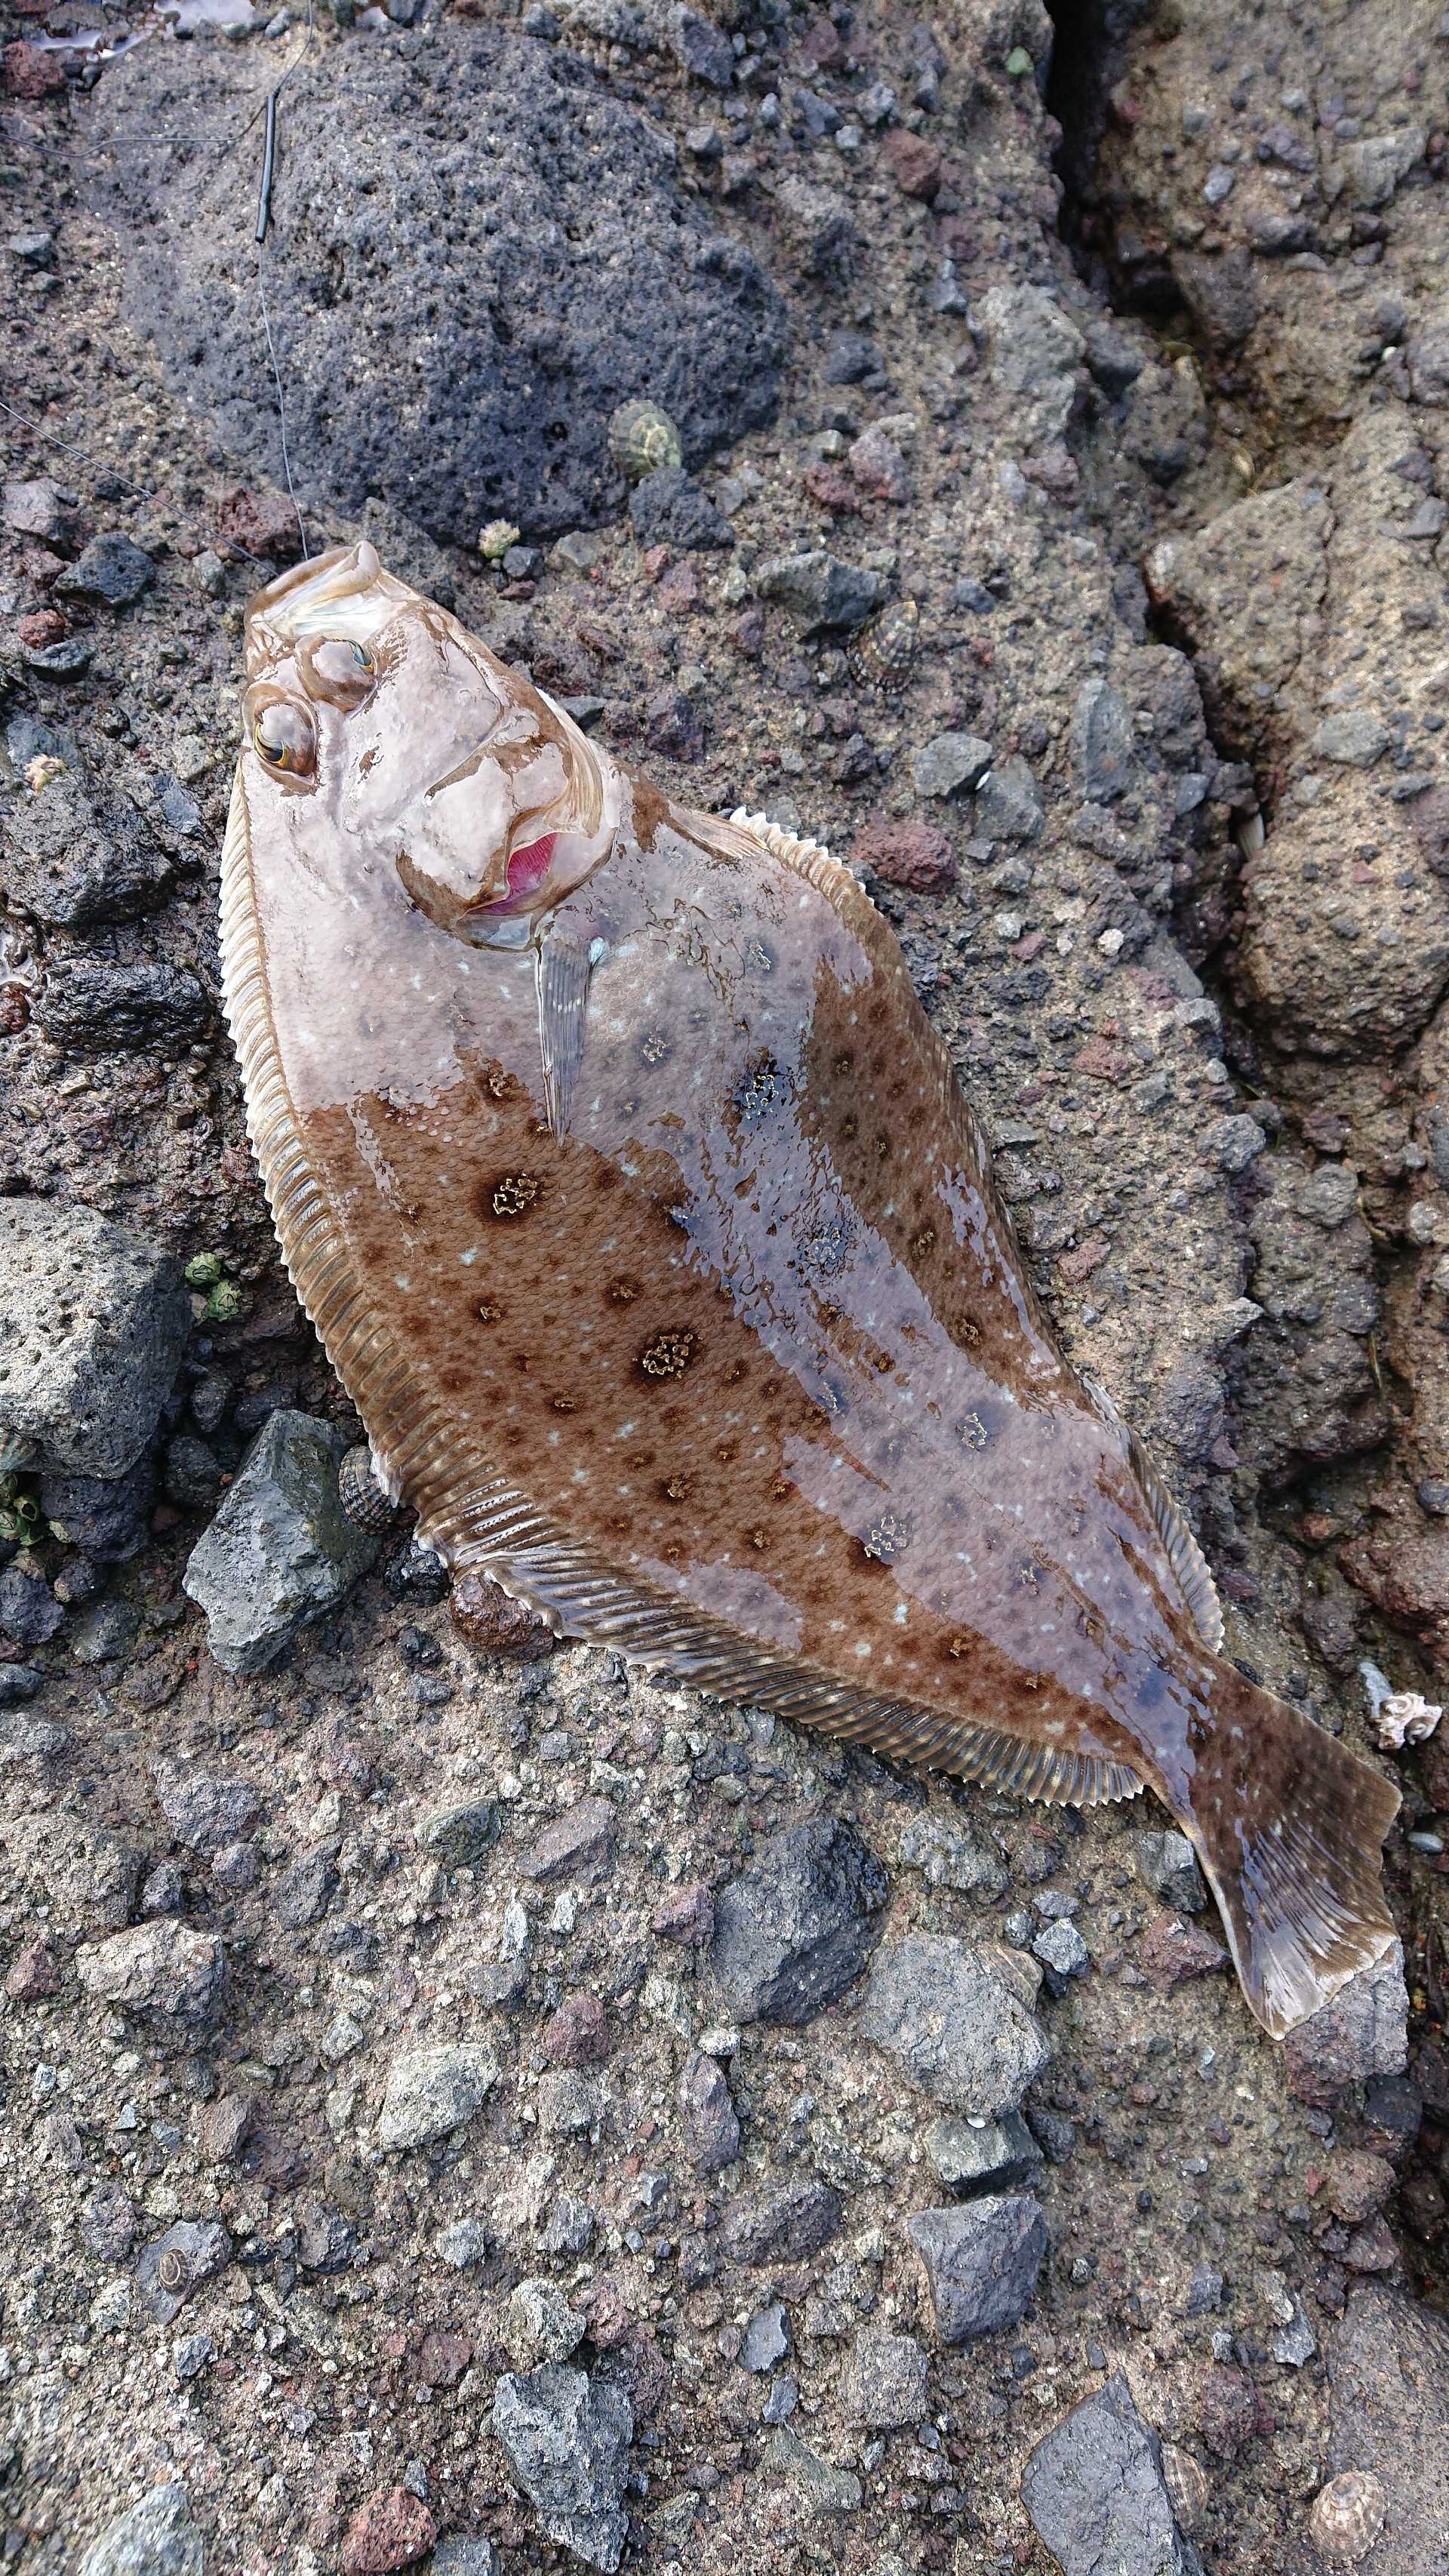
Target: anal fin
point(565, 964)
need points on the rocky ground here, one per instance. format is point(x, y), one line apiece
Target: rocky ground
point(465, 2106)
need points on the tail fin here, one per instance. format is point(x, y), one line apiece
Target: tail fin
point(1289, 1827)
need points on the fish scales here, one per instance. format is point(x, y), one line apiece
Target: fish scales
point(636, 1204)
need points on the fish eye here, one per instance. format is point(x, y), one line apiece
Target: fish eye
point(284, 736)
point(338, 669)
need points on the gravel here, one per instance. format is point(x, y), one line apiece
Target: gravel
point(794, 1932)
point(1095, 2492)
point(711, 2125)
point(93, 1320)
point(432, 2091)
point(281, 1552)
point(566, 2438)
point(155, 2537)
point(670, 509)
point(885, 2383)
point(981, 2261)
point(954, 2018)
point(163, 1968)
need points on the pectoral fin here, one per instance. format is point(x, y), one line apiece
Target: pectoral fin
point(565, 964)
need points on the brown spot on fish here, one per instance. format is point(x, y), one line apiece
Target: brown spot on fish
point(458, 853)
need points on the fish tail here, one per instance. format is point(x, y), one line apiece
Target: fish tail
point(1289, 1826)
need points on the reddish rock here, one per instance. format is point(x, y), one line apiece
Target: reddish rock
point(918, 856)
point(656, 561)
point(391, 2530)
point(47, 626)
point(679, 590)
point(1079, 1265)
point(31, 72)
point(686, 1914)
point(1372, 2248)
point(259, 523)
point(829, 487)
point(605, 2302)
point(579, 1844)
point(1109, 1063)
point(1172, 1949)
point(33, 1975)
point(226, 2125)
point(1229, 2410)
point(487, 1619)
point(879, 467)
point(915, 162)
point(1356, 2185)
point(442, 2359)
point(578, 2033)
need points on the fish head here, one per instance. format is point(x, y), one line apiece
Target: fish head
point(370, 708)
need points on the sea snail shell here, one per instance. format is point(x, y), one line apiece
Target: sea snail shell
point(1348, 2514)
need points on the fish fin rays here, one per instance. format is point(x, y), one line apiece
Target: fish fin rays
point(1289, 1826)
point(565, 964)
point(1184, 1554)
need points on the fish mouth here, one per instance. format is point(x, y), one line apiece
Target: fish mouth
point(344, 592)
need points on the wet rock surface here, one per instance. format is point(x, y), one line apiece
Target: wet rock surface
point(92, 1324)
point(281, 1551)
point(425, 1832)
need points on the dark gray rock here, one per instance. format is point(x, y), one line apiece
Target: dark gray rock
point(981, 2261)
point(950, 762)
point(782, 2225)
point(1009, 803)
point(850, 358)
point(1102, 741)
point(281, 1551)
point(796, 1930)
point(1360, 2033)
point(191, 1473)
point(711, 2126)
point(670, 509)
point(96, 1008)
point(1167, 1863)
point(29, 1611)
point(823, 2487)
point(155, 2537)
point(1388, 2381)
point(816, 590)
point(1095, 2492)
point(175, 2264)
point(952, 1853)
point(767, 2339)
point(566, 2439)
point(18, 1683)
point(561, 271)
point(203, 1812)
point(161, 1967)
point(1063, 1954)
point(460, 1836)
point(306, 1888)
point(105, 1515)
point(92, 1324)
point(111, 568)
point(457, 2555)
point(953, 2016)
point(73, 856)
point(1233, 1143)
point(819, 231)
point(986, 2155)
point(703, 49)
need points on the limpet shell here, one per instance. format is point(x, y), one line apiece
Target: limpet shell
point(1348, 2515)
point(643, 440)
point(366, 1504)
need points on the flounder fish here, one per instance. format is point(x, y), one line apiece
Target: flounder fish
point(635, 1203)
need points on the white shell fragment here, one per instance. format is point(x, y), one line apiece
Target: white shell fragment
point(1399, 1717)
point(1348, 2515)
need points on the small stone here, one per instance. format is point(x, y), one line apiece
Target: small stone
point(767, 2339)
point(1204, 2291)
point(1356, 2184)
point(537, 2325)
point(457, 2555)
point(161, 1967)
point(173, 2265)
point(95, 1008)
point(954, 2016)
point(1328, 1197)
point(488, 1620)
point(258, 522)
point(29, 1611)
point(281, 1551)
point(569, 2102)
point(673, 729)
point(1356, 738)
point(885, 2385)
point(93, 1320)
point(1232, 1143)
point(392, 2529)
point(669, 508)
point(915, 162)
point(699, 46)
point(463, 2244)
point(794, 1932)
point(34, 509)
point(303, 1893)
point(878, 467)
point(432, 2091)
point(110, 569)
point(954, 1854)
point(826, 2488)
point(820, 232)
point(460, 1837)
point(1009, 803)
point(578, 2033)
point(1171, 1950)
point(817, 591)
point(918, 856)
point(190, 2356)
point(1103, 743)
point(972, 2155)
point(1096, 2493)
point(1063, 1953)
point(782, 2225)
point(33, 1975)
point(579, 1844)
point(566, 2438)
point(203, 1812)
point(711, 2126)
point(949, 763)
point(686, 1914)
point(981, 2260)
point(156, 2537)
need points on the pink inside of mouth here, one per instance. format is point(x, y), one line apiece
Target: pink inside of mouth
point(527, 868)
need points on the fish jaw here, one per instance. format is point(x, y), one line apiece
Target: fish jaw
point(345, 592)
